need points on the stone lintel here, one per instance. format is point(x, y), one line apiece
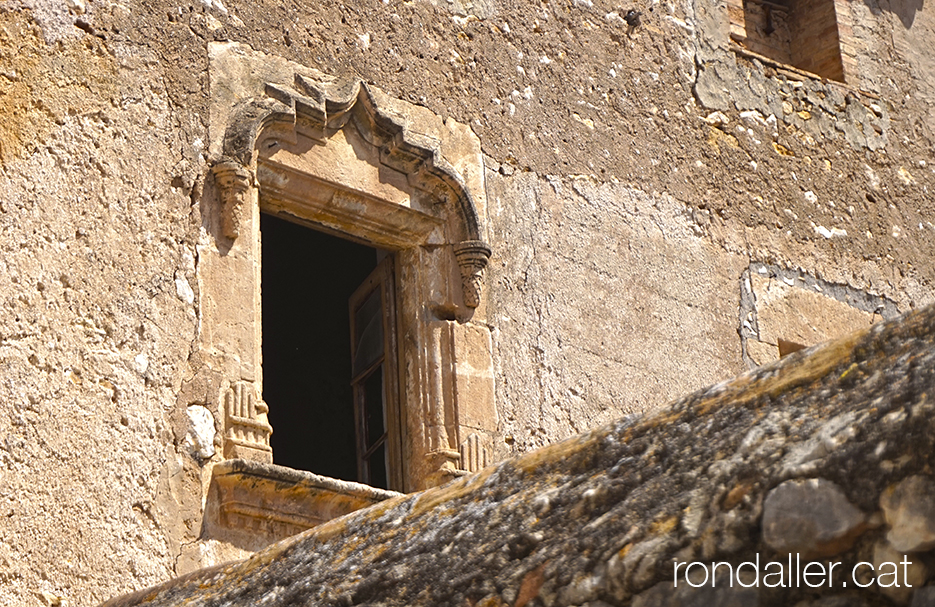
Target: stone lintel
point(379, 222)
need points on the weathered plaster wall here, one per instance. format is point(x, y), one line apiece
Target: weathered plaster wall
point(622, 209)
point(96, 316)
point(607, 300)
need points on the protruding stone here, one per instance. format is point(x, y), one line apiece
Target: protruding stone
point(897, 574)
point(233, 182)
point(812, 517)
point(246, 423)
point(472, 256)
point(201, 432)
point(253, 503)
point(909, 508)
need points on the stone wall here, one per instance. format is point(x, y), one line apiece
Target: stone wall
point(633, 181)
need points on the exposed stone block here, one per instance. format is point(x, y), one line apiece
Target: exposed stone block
point(811, 517)
point(909, 508)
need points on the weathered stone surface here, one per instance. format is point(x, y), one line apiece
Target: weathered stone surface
point(252, 504)
point(665, 594)
point(812, 517)
point(899, 575)
point(761, 353)
point(909, 508)
point(787, 310)
point(923, 597)
point(626, 287)
point(560, 523)
point(803, 315)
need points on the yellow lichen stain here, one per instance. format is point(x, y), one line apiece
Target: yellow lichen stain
point(529, 587)
point(559, 451)
point(736, 495)
point(816, 366)
point(664, 525)
point(717, 136)
point(338, 526)
point(788, 375)
point(783, 150)
point(849, 369)
point(42, 84)
point(666, 417)
point(431, 498)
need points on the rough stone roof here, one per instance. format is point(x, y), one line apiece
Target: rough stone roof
point(826, 453)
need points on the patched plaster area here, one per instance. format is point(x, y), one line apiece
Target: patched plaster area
point(778, 304)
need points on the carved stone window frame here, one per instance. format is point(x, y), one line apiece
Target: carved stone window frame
point(273, 125)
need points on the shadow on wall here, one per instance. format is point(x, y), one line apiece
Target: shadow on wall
point(904, 9)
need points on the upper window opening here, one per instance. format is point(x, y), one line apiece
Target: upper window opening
point(811, 35)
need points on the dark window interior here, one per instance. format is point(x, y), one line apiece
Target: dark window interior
point(307, 279)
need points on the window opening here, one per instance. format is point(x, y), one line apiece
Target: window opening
point(342, 157)
point(806, 34)
point(787, 347)
point(307, 279)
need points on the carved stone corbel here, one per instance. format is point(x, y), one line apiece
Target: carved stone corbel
point(233, 181)
point(472, 256)
point(246, 424)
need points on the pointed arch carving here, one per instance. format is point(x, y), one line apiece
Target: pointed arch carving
point(328, 107)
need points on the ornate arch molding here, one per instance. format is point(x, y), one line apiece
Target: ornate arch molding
point(276, 131)
point(326, 107)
